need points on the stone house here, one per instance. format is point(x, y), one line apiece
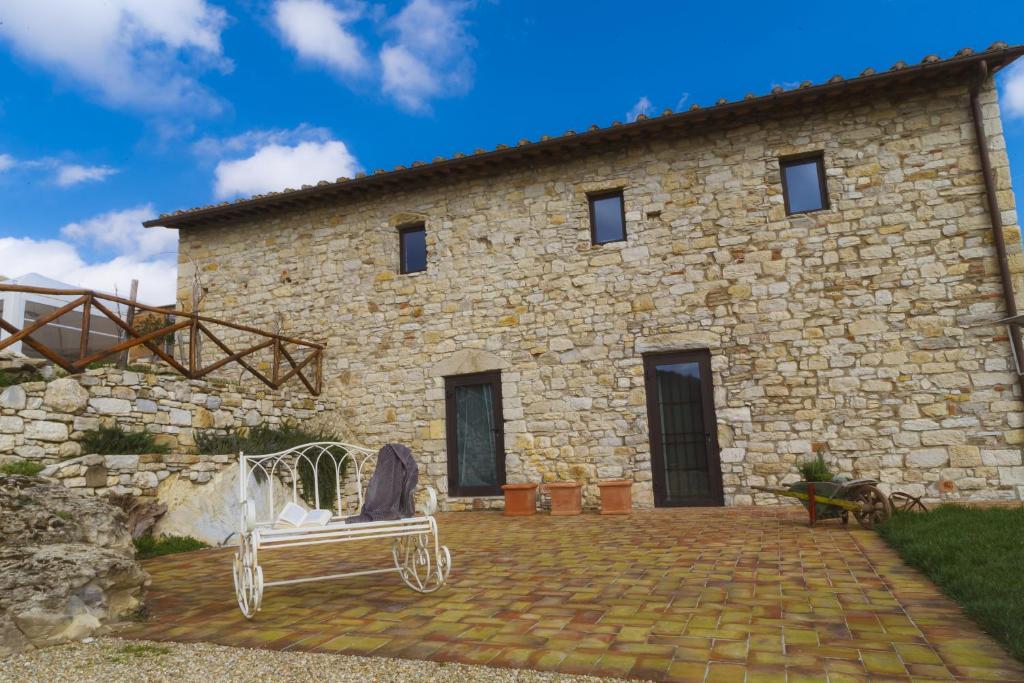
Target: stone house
point(696, 301)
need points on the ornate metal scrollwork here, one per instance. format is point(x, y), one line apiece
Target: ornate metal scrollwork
point(422, 562)
point(248, 576)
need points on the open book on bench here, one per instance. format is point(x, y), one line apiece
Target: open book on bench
point(294, 515)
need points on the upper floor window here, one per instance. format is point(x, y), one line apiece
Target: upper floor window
point(607, 217)
point(413, 246)
point(803, 183)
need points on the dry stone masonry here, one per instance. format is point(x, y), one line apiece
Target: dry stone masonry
point(44, 421)
point(863, 331)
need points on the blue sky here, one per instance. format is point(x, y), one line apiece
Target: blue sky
point(113, 111)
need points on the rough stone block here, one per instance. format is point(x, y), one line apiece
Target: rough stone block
point(110, 406)
point(66, 395)
point(13, 397)
point(46, 431)
point(927, 458)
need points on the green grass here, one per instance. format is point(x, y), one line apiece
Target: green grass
point(26, 467)
point(147, 546)
point(116, 441)
point(976, 556)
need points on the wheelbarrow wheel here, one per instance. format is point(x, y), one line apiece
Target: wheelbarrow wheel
point(905, 502)
point(874, 505)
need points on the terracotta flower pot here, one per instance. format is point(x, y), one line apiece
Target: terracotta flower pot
point(520, 499)
point(616, 496)
point(566, 497)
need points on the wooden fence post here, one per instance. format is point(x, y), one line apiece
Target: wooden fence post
point(133, 296)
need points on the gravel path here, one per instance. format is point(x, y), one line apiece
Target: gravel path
point(114, 659)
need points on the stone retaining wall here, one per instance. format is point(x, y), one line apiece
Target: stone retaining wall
point(138, 475)
point(45, 421)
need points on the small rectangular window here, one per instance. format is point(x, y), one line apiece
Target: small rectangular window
point(607, 217)
point(803, 184)
point(413, 245)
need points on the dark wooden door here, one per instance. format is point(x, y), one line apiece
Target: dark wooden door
point(681, 415)
point(476, 434)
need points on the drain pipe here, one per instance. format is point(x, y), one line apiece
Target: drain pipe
point(997, 219)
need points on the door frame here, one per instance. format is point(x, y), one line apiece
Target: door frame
point(703, 359)
point(493, 378)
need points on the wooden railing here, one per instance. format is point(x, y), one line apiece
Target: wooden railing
point(288, 358)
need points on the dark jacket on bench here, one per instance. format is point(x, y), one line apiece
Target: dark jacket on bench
point(389, 493)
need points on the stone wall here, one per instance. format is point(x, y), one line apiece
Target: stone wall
point(863, 330)
point(44, 421)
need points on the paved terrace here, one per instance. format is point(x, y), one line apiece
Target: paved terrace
point(726, 594)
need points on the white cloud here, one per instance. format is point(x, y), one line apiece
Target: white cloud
point(408, 79)
point(1012, 99)
point(125, 249)
point(276, 166)
point(61, 261)
point(429, 56)
point(63, 174)
point(72, 174)
point(251, 140)
point(122, 232)
point(318, 32)
point(141, 54)
point(642, 106)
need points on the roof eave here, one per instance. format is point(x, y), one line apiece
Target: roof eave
point(995, 59)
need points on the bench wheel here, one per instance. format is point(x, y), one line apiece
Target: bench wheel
point(248, 576)
point(422, 562)
point(874, 505)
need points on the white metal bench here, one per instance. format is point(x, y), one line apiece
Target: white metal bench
point(416, 552)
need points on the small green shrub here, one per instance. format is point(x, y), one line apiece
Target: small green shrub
point(148, 324)
point(8, 379)
point(263, 439)
point(26, 467)
point(116, 441)
point(112, 363)
point(147, 546)
point(816, 470)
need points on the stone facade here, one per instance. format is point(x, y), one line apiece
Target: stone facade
point(863, 330)
point(44, 421)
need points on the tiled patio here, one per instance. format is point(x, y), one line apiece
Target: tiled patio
point(733, 594)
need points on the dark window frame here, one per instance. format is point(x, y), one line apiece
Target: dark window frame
point(605, 194)
point(403, 232)
point(819, 158)
point(492, 377)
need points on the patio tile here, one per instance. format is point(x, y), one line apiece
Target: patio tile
point(734, 594)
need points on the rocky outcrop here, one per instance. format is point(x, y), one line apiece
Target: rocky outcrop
point(211, 512)
point(67, 565)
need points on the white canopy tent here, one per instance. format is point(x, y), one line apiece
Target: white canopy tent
point(63, 334)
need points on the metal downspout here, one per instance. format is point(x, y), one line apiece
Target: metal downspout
point(997, 220)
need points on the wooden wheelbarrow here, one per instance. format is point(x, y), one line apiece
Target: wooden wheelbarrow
point(833, 499)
